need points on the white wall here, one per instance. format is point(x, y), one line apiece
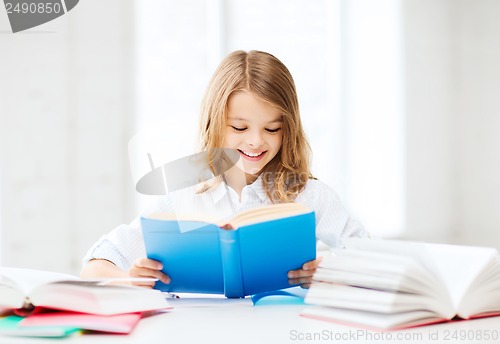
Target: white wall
point(453, 120)
point(477, 108)
point(65, 117)
point(372, 108)
point(69, 98)
point(430, 128)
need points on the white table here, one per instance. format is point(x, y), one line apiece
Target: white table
point(272, 324)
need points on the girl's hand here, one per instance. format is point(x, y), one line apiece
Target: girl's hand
point(304, 275)
point(144, 267)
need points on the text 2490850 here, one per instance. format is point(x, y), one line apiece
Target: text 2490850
point(26, 7)
point(479, 335)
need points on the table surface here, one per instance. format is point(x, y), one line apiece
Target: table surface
point(273, 324)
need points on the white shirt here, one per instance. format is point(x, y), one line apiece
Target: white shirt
point(125, 243)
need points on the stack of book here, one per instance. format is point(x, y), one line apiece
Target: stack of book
point(48, 304)
point(391, 284)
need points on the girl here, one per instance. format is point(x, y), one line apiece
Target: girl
point(250, 106)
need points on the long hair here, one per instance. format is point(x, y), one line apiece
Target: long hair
point(266, 77)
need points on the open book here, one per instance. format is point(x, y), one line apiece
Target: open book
point(393, 284)
point(26, 289)
point(249, 254)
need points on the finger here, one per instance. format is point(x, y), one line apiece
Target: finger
point(313, 264)
point(144, 284)
point(136, 271)
point(155, 274)
point(148, 263)
point(300, 273)
point(163, 277)
point(302, 280)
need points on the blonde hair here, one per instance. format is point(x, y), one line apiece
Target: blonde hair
point(269, 79)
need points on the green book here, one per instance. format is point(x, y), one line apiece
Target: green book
point(10, 326)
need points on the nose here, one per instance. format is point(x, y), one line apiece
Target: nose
point(255, 139)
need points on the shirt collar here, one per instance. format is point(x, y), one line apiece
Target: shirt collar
point(259, 188)
point(220, 190)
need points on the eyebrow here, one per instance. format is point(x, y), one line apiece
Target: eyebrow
point(277, 120)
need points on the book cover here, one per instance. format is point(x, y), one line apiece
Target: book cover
point(10, 326)
point(247, 260)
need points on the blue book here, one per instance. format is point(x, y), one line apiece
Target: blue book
point(250, 254)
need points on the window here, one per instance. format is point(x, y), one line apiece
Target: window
point(345, 59)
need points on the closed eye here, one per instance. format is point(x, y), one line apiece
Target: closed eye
point(238, 129)
point(273, 130)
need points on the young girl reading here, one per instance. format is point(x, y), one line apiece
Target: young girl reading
point(250, 106)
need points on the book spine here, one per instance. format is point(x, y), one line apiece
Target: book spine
point(231, 263)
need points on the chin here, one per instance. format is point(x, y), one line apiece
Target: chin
point(254, 171)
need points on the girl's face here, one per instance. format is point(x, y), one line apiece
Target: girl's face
point(254, 129)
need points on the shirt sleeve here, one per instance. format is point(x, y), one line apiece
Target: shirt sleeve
point(124, 244)
point(333, 223)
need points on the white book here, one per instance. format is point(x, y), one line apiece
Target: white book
point(394, 284)
point(26, 288)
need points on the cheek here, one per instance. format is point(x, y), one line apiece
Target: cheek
point(229, 139)
point(277, 142)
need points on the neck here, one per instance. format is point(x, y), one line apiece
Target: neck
point(237, 179)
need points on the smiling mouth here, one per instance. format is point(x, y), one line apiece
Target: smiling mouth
point(252, 155)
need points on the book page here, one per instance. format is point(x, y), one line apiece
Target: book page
point(456, 267)
point(268, 213)
point(183, 217)
point(371, 319)
point(483, 296)
point(459, 266)
point(27, 280)
point(377, 270)
point(251, 216)
point(371, 300)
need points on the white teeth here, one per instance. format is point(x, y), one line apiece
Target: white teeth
point(252, 154)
